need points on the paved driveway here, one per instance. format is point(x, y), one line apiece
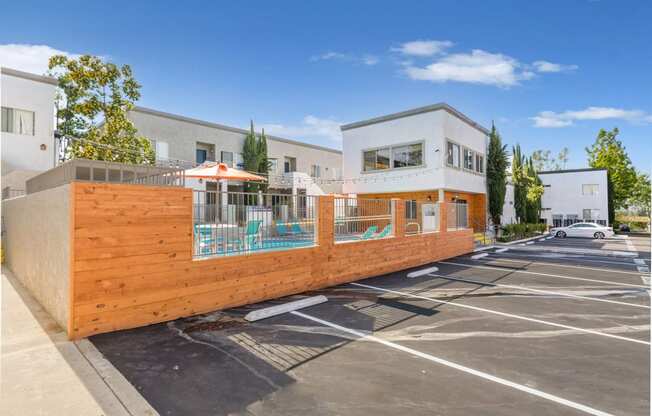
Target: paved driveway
point(515, 332)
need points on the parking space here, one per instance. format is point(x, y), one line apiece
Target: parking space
point(514, 332)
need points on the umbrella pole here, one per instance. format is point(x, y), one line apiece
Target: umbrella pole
point(224, 188)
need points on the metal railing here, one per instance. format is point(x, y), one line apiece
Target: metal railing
point(457, 215)
point(101, 171)
point(421, 217)
point(231, 223)
point(9, 192)
point(362, 219)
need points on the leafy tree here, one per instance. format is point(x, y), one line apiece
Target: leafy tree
point(251, 156)
point(543, 160)
point(640, 198)
point(534, 191)
point(608, 152)
point(520, 183)
point(92, 107)
point(497, 163)
point(263, 166)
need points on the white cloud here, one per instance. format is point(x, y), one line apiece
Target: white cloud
point(545, 66)
point(310, 127)
point(366, 59)
point(547, 119)
point(28, 58)
point(477, 67)
point(423, 47)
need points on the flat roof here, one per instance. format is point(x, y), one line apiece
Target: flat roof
point(547, 172)
point(28, 75)
point(227, 128)
point(415, 111)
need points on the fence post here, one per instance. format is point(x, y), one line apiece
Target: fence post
point(325, 221)
point(398, 208)
point(443, 216)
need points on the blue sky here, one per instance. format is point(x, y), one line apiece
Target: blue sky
point(550, 74)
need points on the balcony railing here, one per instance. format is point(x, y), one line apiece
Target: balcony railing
point(363, 219)
point(229, 223)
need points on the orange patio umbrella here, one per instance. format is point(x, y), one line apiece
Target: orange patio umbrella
point(219, 171)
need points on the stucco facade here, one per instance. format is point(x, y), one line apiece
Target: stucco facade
point(183, 136)
point(32, 150)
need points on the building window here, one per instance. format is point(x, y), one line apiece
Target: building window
point(273, 165)
point(590, 189)
point(227, 158)
point(290, 164)
point(411, 209)
point(479, 163)
point(453, 154)
point(160, 149)
point(315, 171)
point(239, 160)
point(17, 121)
point(468, 159)
point(394, 157)
point(200, 155)
point(407, 156)
point(590, 214)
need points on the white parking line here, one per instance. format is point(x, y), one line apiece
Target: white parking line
point(502, 250)
point(529, 242)
point(543, 274)
point(479, 256)
point(548, 292)
point(441, 361)
point(571, 254)
point(422, 272)
point(541, 239)
point(567, 265)
point(630, 245)
point(550, 238)
point(639, 261)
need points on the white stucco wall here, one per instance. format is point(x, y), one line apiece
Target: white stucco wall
point(36, 246)
point(23, 152)
point(563, 194)
point(432, 128)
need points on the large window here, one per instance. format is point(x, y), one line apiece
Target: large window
point(161, 149)
point(290, 164)
point(590, 189)
point(227, 158)
point(407, 156)
point(17, 121)
point(393, 157)
point(468, 159)
point(479, 163)
point(273, 165)
point(453, 154)
point(315, 171)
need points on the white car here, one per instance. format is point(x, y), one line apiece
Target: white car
point(583, 229)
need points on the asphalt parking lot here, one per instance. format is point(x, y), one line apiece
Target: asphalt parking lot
point(557, 327)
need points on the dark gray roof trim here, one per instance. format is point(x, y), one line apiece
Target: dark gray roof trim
point(227, 128)
point(28, 75)
point(570, 170)
point(415, 111)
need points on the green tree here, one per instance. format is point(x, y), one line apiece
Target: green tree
point(534, 191)
point(543, 160)
point(640, 198)
point(608, 152)
point(520, 183)
point(251, 157)
point(497, 163)
point(92, 107)
point(263, 166)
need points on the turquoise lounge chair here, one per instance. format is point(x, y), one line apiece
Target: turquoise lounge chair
point(296, 228)
point(205, 238)
point(251, 235)
point(369, 233)
point(282, 229)
point(385, 232)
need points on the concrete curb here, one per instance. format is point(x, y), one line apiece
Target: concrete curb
point(127, 394)
point(524, 240)
point(549, 249)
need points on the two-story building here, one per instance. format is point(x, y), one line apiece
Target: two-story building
point(27, 127)
point(569, 196)
point(295, 167)
point(432, 153)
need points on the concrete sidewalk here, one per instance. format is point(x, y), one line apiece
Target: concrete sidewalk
point(42, 373)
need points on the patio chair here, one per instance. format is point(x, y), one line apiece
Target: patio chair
point(206, 239)
point(282, 229)
point(251, 235)
point(369, 233)
point(296, 228)
point(385, 232)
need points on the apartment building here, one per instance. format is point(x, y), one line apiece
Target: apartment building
point(27, 127)
point(569, 196)
point(295, 167)
point(432, 153)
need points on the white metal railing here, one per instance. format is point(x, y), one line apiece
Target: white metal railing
point(457, 215)
point(421, 217)
point(229, 223)
point(362, 219)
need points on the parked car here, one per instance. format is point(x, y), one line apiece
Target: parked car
point(583, 229)
point(624, 228)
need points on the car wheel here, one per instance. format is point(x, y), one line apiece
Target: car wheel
point(599, 235)
point(560, 234)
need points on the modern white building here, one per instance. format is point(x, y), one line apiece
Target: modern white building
point(569, 196)
point(296, 167)
point(27, 132)
point(432, 153)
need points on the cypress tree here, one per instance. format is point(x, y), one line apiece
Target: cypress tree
point(520, 187)
point(263, 166)
point(251, 158)
point(497, 163)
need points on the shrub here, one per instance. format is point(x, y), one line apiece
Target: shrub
point(522, 230)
